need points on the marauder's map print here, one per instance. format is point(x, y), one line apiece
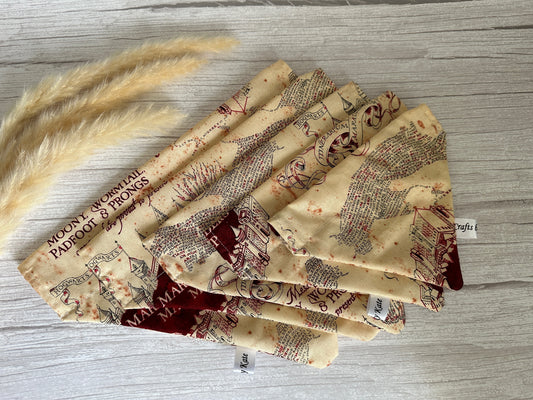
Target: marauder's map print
point(293, 343)
point(435, 246)
point(322, 275)
point(191, 182)
point(104, 280)
point(228, 326)
point(332, 149)
point(184, 239)
point(248, 300)
point(242, 237)
point(431, 296)
point(394, 214)
point(75, 291)
point(181, 236)
point(301, 95)
point(170, 298)
point(54, 260)
point(184, 244)
point(138, 281)
point(370, 196)
point(338, 303)
point(306, 92)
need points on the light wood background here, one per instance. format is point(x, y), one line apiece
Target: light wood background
point(471, 61)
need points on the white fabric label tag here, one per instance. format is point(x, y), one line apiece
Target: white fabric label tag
point(244, 360)
point(466, 228)
point(378, 307)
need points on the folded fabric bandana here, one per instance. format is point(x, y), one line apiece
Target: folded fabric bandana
point(393, 214)
point(280, 220)
point(238, 246)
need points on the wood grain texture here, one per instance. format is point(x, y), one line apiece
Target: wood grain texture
point(471, 61)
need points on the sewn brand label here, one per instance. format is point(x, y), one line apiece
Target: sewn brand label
point(244, 360)
point(378, 307)
point(466, 228)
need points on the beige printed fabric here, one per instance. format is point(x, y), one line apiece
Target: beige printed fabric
point(272, 224)
point(55, 269)
point(312, 271)
point(331, 303)
point(214, 273)
point(252, 255)
point(205, 171)
point(112, 279)
point(295, 178)
point(387, 207)
point(276, 262)
point(246, 302)
point(181, 236)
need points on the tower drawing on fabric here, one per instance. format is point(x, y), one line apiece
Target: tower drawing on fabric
point(110, 315)
point(142, 294)
point(141, 280)
point(431, 296)
point(434, 245)
point(396, 313)
point(242, 239)
point(159, 215)
point(70, 291)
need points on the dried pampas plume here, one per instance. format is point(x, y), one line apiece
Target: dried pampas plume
point(91, 103)
point(55, 89)
point(25, 187)
point(72, 114)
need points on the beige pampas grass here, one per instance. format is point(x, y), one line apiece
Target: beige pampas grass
point(92, 102)
point(26, 186)
point(56, 89)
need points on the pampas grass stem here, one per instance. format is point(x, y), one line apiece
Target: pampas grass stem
point(37, 168)
point(91, 103)
point(56, 89)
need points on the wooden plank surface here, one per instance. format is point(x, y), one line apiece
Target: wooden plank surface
point(470, 61)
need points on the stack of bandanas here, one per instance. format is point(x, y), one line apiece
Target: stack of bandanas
point(294, 212)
